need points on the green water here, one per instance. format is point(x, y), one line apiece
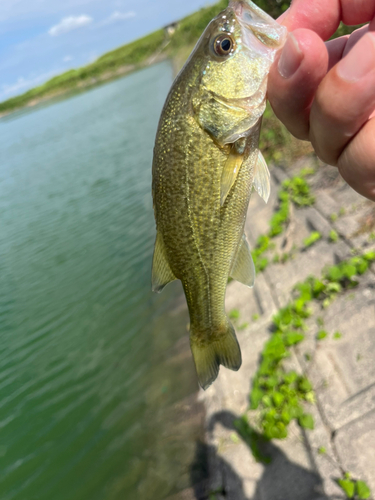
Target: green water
point(88, 385)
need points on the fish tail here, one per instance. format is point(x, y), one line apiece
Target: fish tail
point(222, 350)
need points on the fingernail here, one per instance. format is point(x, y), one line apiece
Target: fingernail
point(291, 57)
point(359, 61)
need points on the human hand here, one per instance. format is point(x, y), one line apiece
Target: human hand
point(325, 92)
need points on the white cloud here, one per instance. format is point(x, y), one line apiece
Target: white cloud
point(70, 23)
point(118, 16)
point(67, 58)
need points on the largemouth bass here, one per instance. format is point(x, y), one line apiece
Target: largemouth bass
point(206, 163)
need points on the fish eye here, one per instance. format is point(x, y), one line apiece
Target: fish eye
point(223, 44)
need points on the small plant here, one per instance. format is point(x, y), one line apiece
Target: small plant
point(312, 238)
point(294, 190)
point(322, 334)
point(255, 317)
point(337, 335)
point(234, 314)
point(322, 450)
point(262, 264)
point(252, 438)
point(243, 326)
point(333, 236)
point(358, 490)
point(307, 171)
point(333, 217)
point(299, 191)
point(320, 321)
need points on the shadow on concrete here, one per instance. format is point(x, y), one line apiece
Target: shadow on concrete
point(281, 479)
point(214, 484)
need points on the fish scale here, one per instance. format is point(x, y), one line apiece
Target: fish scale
point(206, 162)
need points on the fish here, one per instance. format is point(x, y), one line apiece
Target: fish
point(206, 163)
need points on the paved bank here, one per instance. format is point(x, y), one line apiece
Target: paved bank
point(342, 370)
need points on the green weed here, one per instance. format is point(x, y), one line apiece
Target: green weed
point(279, 395)
point(322, 334)
point(294, 190)
point(333, 236)
point(358, 490)
point(234, 314)
point(312, 238)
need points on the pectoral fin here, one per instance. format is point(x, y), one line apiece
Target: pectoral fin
point(243, 269)
point(161, 272)
point(262, 183)
point(230, 171)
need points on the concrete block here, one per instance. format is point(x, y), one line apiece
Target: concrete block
point(355, 444)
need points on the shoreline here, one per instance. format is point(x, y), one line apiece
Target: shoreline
point(93, 82)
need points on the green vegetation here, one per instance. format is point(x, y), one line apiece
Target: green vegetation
point(333, 217)
point(322, 450)
point(296, 191)
point(234, 314)
point(243, 326)
point(277, 394)
point(333, 236)
point(140, 52)
point(322, 334)
point(357, 490)
point(337, 335)
point(312, 238)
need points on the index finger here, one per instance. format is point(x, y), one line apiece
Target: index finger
point(324, 16)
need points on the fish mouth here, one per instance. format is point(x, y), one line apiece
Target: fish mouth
point(254, 21)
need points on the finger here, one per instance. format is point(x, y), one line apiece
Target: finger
point(354, 38)
point(344, 101)
point(357, 11)
point(294, 79)
point(357, 162)
point(339, 47)
point(324, 16)
point(336, 49)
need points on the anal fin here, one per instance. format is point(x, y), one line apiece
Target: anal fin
point(161, 272)
point(243, 269)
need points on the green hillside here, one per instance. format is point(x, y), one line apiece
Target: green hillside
point(136, 54)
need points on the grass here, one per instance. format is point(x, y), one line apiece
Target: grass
point(280, 395)
point(296, 191)
point(139, 52)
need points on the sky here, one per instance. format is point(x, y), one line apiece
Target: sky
point(43, 38)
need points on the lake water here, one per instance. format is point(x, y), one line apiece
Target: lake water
point(92, 384)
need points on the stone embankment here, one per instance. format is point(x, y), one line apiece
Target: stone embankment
point(307, 464)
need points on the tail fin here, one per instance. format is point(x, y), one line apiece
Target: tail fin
point(223, 350)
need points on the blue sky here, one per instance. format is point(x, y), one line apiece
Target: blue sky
point(42, 38)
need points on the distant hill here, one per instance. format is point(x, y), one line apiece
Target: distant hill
point(171, 41)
